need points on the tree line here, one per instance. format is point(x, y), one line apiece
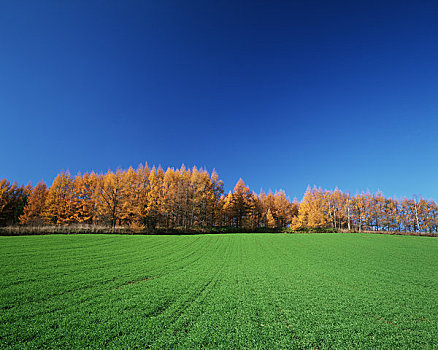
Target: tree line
point(151, 198)
point(365, 212)
point(144, 199)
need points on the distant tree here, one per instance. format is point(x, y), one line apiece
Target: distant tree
point(217, 205)
point(140, 197)
point(34, 208)
point(85, 187)
point(12, 201)
point(156, 197)
point(110, 195)
point(283, 209)
point(270, 221)
point(255, 212)
point(238, 204)
point(312, 210)
point(61, 204)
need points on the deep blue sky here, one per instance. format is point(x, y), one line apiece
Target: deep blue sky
point(281, 93)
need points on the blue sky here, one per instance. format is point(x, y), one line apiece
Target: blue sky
point(283, 94)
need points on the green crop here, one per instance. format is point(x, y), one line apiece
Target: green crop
point(262, 291)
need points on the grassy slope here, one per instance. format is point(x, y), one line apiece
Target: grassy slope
point(230, 291)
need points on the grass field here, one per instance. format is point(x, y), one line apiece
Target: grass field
point(261, 291)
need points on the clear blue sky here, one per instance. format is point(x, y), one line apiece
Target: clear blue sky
point(284, 94)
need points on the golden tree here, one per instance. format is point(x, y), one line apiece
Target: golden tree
point(156, 197)
point(170, 197)
point(85, 187)
point(255, 213)
point(312, 210)
point(238, 205)
point(140, 200)
point(218, 190)
point(110, 196)
point(270, 221)
point(61, 205)
point(32, 213)
point(284, 211)
point(12, 201)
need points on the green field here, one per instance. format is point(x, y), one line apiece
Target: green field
point(231, 291)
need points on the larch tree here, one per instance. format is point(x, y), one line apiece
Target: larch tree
point(61, 205)
point(283, 209)
point(170, 210)
point(183, 197)
point(84, 189)
point(218, 190)
point(240, 202)
point(12, 201)
point(270, 221)
point(156, 197)
point(139, 202)
point(228, 210)
point(129, 189)
point(34, 208)
point(206, 192)
point(255, 213)
point(110, 195)
point(312, 210)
